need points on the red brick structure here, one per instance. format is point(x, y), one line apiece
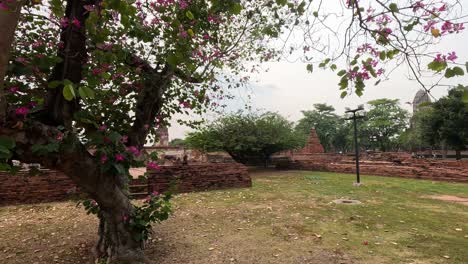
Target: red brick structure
point(200, 177)
point(55, 186)
point(389, 164)
point(313, 144)
point(48, 186)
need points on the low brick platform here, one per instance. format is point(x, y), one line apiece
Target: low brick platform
point(436, 170)
point(200, 177)
point(48, 186)
point(52, 185)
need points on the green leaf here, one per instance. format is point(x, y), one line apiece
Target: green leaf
point(86, 92)
point(394, 8)
point(236, 8)
point(465, 95)
point(315, 13)
point(452, 72)
point(5, 153)
point(68, 92)
point(466, 65)
point(437, 66)
point(333, 67)
point(190, 32)
point(5, 167)
point(382, 55)
point(6, 142)
point(190, 15)
point(458, 71)
point(282, 2)
point(54, 84)
point(341, 73)
point(344, 83)
point(343, 94)
point(310, 68)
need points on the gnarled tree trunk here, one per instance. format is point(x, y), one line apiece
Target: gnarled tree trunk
point(118, 242)
point(8, 21)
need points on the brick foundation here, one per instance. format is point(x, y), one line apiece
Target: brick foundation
point(200, 177)
point(55, 186)
point(48, 186)
point(400, 166)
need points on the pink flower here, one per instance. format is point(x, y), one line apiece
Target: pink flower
point(104, 158)
point(154, 193)
point(443, 8)
point(14, 89)
point(430, 24)
point(3, 6)
point(440, 58)
point(447, 27)
point(37, 44)
point(124, 139)
point(59, 136)
point(187, 105)
point(452, 56)
point(119, 157)
point(22, 111)
point(96, 71)
point(76, 22)
point(183, 34)
point(102, 128)
point(152, 166)
point(146, 126)
point(418, 5)
point(134, 150)
point(206, 36)
point(64, 22)
point(183, 4)
point(125, 218)
point(458, 27)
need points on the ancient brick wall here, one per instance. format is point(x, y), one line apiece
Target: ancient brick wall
point(48, 186)
point(438, 170)
point(199, 177)
point(55, 186)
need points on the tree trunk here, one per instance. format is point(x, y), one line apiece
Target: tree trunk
point(117, 242)
point(8, 21)
point(458, 154)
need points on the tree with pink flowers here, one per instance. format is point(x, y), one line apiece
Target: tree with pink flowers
point(84, 84)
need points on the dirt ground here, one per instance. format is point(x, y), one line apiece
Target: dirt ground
point(286, 217)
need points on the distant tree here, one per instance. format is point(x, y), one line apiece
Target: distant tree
point(177, 142)
point(385, 122)
point(247, 137)
point(327, 124)
point(421, 134)
point(447, 121)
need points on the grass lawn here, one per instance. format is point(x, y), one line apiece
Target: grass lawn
point(286, 217)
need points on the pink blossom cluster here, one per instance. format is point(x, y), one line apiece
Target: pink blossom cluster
point(119, 157)
point(451, 56)
point(449, 27)
point(368, 48)
point(134, 150)
point(418, 5)
point(152, 166)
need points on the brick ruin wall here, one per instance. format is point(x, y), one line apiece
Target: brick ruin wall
point(384, 164)
point(53, 185)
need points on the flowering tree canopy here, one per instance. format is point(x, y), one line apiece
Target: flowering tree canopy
point(84, 83)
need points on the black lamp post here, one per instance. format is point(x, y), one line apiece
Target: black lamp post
point(354, 117)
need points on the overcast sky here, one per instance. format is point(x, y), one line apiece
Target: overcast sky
point(288, 88)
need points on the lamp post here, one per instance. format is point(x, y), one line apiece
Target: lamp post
point(354, 117)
